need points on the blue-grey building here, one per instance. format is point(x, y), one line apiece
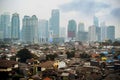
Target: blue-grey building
point(72, 29)
point(111, 33)
point(81, 27)
point(30, 29)
point(5, 27)
point(81, 34)
point(15, 27)
point(26, 30)
point(96, 21)
point(103, 30)
point(43, 31)
point(54, 24)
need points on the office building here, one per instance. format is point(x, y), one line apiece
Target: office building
point(92, 34)
point(34, 25)
point(111, 33)
point(54, 25)
point(43, 31)
point(81, 34)
point(72, 29)
point(103, 29)
point(30, 29)
point(5, 28)
point(15, 27)
point(81, 27)
point(95, 21)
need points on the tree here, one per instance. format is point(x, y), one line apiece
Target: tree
point(51, 56)
point(70, 54)
point(116, 43)
point(24, 54)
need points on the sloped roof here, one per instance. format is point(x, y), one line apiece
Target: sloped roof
point(7, 63)
point(47, 64)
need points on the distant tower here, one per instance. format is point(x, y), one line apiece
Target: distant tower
point(30, 29)
point(81, 34)
point(5, 26)
point(15, 27)
point(34, 25)
point(26, 30)
point(96, 21)
point(72, 28)
point(1, 30)
point(81, 27)
point(43, 32)
point(92, 34)
point(96, 24)
point(111, 33)
point(54, 24)
point(103, 32)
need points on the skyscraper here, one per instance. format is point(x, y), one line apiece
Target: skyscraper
point(81, 34)
point(54, 24)
point(72, 28)
point(111, 33)
point(96, 24)
point(103, 32)
point(1, 31)
point(81, 27)
point(15, 27)
point(5, 26)
point(34, 25)
point(96, 21)
point(92, 34)
point(30, 29)
point(26, 30)
point(43, 32)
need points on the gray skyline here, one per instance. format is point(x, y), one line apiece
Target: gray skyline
point(79, 10)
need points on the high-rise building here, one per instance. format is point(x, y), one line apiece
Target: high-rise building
point(96, 24)
point(30, 29)
point(111, 33)
point(43, 31)
point(15, 27)
point(103, 30)
point(1, 31)
point(92, 34)
point(54, 24)
point(72, 29)
point(96, 21)
point(26, 30)
point(81, 27)
point(5, 26)
point(34, 25)
point(81, 34)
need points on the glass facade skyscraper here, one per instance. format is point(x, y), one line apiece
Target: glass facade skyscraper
point(15, 27)
point(34, 26)
point(81, 27)
point(111, 33)
point(5, 26)
point(72, 28)
point(103, 30)
point(30, 29)
point(54, 26)
point(96, 21)
point(92, 34)
point(43, 31)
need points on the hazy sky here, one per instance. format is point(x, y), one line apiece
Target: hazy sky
point(79, 10)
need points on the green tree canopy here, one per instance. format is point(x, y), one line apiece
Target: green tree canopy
point(24, 54)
